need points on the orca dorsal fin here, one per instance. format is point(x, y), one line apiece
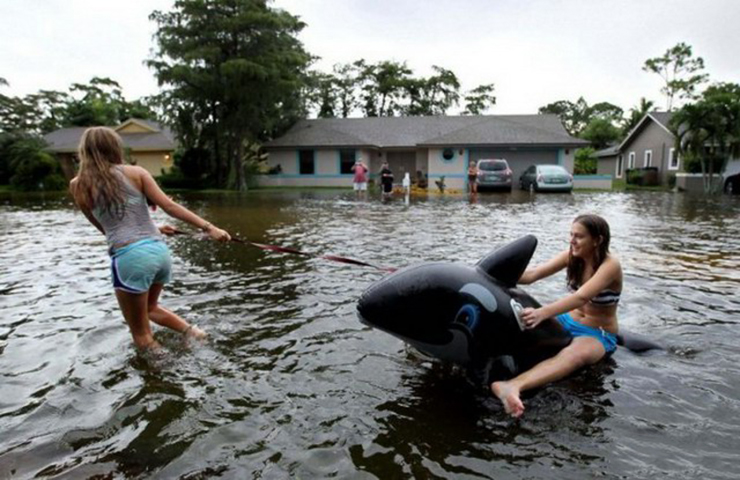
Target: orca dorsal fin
point(506, 264)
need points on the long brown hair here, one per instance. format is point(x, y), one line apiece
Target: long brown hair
point(598, 228)
point(100, 148)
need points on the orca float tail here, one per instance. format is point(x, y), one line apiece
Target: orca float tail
point(636, 343)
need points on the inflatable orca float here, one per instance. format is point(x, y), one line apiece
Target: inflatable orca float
point(468, 315)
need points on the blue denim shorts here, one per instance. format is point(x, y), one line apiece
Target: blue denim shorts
point(577, 329)
point(137, 266)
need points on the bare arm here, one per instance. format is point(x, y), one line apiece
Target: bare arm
point(84, 209)
point(602, 279)
point(152, 191)
point(555, 264)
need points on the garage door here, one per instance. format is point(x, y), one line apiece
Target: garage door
point(519, 160)
point(400, 163)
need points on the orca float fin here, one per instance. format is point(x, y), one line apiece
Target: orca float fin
point(507, 263)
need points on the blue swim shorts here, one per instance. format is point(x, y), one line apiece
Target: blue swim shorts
point(137, 266)
point(577, 329)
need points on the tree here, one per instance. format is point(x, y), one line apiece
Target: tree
point(601, 133)
point(383, 86)
point(433, 95)
point(585, 161)
point(679, 70)
point(479, 99)
point(574, 116)
point(236, 68)
point(709, 129)
point(636, 114)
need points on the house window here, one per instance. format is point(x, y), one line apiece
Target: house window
point(631, 161)
point(620, 160)
point(672, 159)
point(448, 154)
point(306, 164)
point(346, 161)
point(648, 158)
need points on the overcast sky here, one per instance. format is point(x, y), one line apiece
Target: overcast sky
point(534, 51)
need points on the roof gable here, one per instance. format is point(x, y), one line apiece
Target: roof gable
point(135, 125)
point(662, 119)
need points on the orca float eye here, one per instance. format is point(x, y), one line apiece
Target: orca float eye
point(468, 315)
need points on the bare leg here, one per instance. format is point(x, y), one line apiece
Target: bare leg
point(161, 316)
point(581, 352)
point(134, 309)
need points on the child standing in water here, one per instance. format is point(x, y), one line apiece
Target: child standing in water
point(589, 313)
point(472, 177)
point(113, 197)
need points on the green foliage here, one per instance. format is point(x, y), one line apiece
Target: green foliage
point(233, 71)
point(585, 161)
point(636, 114)
point(679, 70)
point(100, 102)
point(479, 99)
point(193, 163)
point(576, 116)
point(709, 129)
point(601, 133)
point(390, 88)
point(30, 167)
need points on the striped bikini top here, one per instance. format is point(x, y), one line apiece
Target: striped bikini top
point(604, 298)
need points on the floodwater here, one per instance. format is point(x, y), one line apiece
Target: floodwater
point(292, 385)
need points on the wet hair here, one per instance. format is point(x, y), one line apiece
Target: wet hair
point(597, 228)
point(96, 186)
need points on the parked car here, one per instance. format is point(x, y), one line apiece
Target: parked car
point(494, 173)
point(546, 178)
point(732, 184)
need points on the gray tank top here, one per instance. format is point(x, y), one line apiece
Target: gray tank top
point(135, 224)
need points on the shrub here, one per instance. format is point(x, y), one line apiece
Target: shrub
point(30, 167)
point(585, 163)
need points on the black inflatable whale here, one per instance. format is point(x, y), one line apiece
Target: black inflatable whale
point(465, 314)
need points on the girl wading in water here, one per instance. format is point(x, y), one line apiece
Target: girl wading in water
point(113, 197)
point(589, 313)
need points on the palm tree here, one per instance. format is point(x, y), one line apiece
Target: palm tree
point(709, 129)
point(636, 114)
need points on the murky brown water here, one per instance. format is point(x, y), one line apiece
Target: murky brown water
point(293, 386)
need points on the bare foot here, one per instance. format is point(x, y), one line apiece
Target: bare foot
point(509, 396)
point(195, 333)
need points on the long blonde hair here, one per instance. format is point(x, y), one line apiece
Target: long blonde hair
point(96, 186)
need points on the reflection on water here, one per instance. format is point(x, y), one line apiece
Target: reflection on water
point(292, 385)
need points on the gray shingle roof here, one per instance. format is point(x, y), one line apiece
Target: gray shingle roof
point(66, 140)
point(399, 132)
point(663, 117)
point(607, 152)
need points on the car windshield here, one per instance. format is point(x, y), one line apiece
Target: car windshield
point(492, 166)
point(553, 169)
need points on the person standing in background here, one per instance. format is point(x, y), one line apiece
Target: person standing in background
point(360, 179)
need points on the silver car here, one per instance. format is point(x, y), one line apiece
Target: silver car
point(494, 173)
point(546, 178)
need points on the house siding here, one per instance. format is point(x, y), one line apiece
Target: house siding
point(608, 166)
point(156, 163)
point(656, 138)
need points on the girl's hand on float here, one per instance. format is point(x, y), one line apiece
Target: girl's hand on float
point(168, 230)
point(532, 316)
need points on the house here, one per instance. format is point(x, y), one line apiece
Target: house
point(649, 144)
point(147, 144)
point(321, 152)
